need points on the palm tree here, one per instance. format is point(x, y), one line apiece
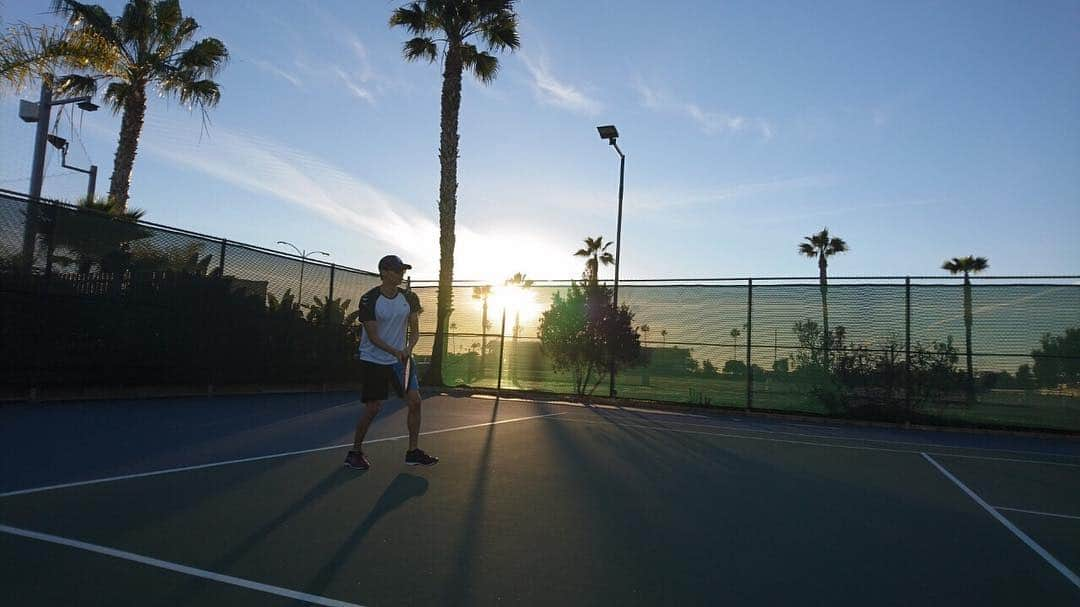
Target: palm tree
point(482, 293)
point(149, 43)
point(645, 333)
point(596, 253)
point(663, 336)
point(517, 280)
point(735, 333)
point(822, 247)
point(454, 23)
point(967, 266)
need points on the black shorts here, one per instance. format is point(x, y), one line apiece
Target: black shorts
point(376, 381)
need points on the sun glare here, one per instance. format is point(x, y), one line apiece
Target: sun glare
point(520, 305)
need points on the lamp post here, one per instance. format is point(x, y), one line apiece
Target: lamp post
point(303, 258)
point(62, 144)
point(39, 112)
point(611, 133)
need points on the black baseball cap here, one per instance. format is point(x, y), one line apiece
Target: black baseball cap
point(393, 262)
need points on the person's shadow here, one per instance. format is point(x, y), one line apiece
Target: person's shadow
point(401, 489)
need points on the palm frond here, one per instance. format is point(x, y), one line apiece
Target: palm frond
point(501, 33)
point(27, 53)
point(191, 92)
point(413, 18)
point(75, 85)
point(808, 249)
point(89, 18)
point(136, 26)
point(116, 94)
point(205, 58)
point(483, 65)
point(168, 15)
point(836, 245)
point(420, 48)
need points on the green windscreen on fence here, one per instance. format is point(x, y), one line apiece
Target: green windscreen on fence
point(92, 302)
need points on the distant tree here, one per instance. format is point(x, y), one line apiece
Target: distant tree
point(285, 308)
point(821, 247)
point(692, 365)
point(454, 24)
point(99, 232)
point(583, 333)
point(595, 253)
point(1057, 360)
point(1024, 378)
point(735, 367)
point(780, 366)
point(331, 312)
point(708, 369)
point(663, 336)
point(967, 266)
point(645, 334)
point(483, 293)
point(735, 343)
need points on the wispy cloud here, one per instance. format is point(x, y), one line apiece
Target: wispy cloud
point(553, 91)
point(710, 122)
point(267, 167)
point(283, 173)
point(269, 67)
point(353, 86)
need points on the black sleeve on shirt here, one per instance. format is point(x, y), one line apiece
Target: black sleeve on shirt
point(367, 305)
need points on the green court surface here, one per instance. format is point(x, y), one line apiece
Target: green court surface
point(547, 503)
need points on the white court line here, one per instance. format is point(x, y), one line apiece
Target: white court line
point(881, 440)
point(202, 573)
point(817, 444)
point(1049, 558)
point(1053, 514)
point(566, 403)
point(803, 434)
point(256, 458)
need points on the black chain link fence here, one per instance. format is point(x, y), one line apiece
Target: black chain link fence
point(91, 303)
point(897, 347)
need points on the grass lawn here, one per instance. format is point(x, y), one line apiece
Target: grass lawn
point(1006, 408)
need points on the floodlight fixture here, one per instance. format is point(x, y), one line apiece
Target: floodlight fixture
point(608, 132)
point(57, 142)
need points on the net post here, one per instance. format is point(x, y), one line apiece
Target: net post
point(330, 294)
point(907, 344)
point(749, 332)
point(502, 345)
point(221, 259)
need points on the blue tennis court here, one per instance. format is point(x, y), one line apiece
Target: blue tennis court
point(244, 501)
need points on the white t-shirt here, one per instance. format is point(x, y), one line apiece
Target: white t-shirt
point(392, 315)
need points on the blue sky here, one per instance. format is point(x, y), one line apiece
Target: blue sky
point(916, 131)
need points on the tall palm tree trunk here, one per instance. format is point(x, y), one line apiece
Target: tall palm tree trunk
point(823, 278)
point(124, 161)
point(967, 339)
point(448, 156)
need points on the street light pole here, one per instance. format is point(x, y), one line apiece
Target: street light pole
point(610, 133)
point(303, 258)
point(37, 171)
point(40, 113)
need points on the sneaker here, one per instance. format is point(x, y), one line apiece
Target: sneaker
point(417, 457)
point(356, 459)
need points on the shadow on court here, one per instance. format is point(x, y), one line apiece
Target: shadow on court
point(403, 488)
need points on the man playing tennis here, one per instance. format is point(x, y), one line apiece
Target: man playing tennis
point(391, 329)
